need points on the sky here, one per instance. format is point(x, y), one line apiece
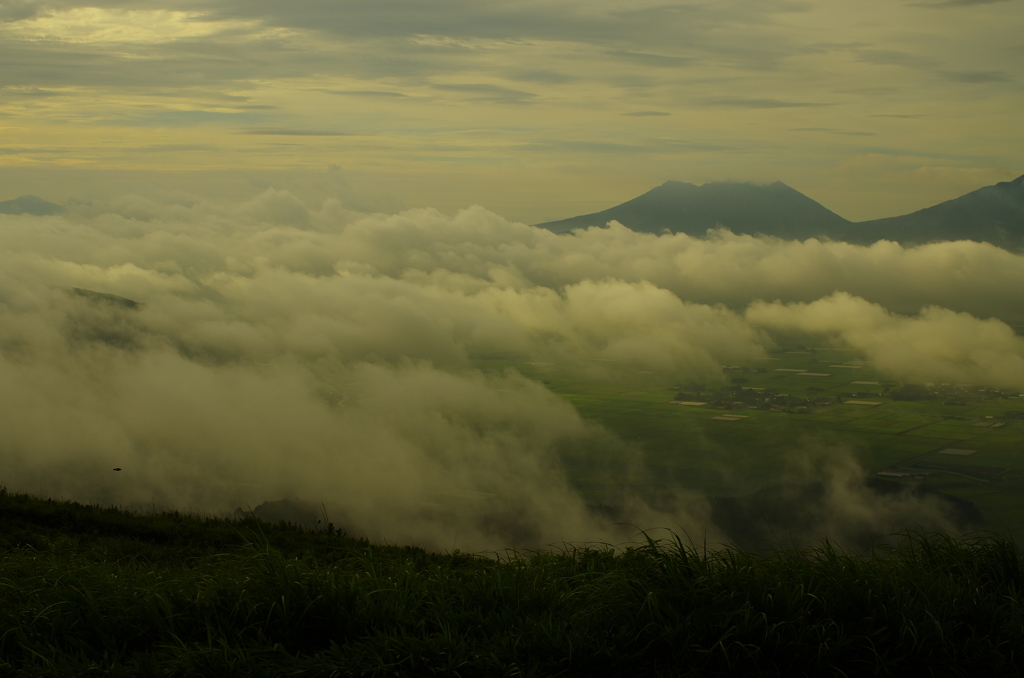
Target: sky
point(533, 110)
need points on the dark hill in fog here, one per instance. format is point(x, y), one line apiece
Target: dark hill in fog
point(993, 214)
point(29, 204)
point(775, 209)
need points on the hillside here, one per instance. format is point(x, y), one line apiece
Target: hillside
point(993, 214)
point(99, 591)
point(29, 204)
point(775, 209)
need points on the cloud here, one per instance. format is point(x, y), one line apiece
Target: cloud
point(295, 133)
point(119, 26)
point(977, 77)
point(175, 148)
point(742, 102)
point(647, 147)
point(364, 93)
point(28, 92)
point(925, 63)
point(942, 4)
point(35, 150)
point(892, 57)
point(325, 354)
point(936, 345)
point(543, 75)
point(254, 44)
point(830, 130)
point(404, 453)
point(648, 59)
point(203, 65)
point(488, 92)
point(18, 10)
point(647, 114)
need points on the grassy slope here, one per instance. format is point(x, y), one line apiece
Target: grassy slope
point(92, 591)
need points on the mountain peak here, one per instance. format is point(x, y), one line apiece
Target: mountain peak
point(993, 214)
point(744, 208)
point(29, 204)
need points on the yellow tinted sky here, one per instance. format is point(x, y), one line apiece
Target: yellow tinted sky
point(536, 110)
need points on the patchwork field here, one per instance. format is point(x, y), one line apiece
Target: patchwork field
point(766, 421)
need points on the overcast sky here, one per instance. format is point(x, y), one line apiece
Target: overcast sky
point(535, 110)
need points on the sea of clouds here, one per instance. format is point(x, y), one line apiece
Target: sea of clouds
point(325, 355)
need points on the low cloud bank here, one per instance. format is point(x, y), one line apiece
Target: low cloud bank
point(935, 345)
point(279, 351)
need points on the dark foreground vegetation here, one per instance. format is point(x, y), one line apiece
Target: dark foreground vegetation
point(92, 591)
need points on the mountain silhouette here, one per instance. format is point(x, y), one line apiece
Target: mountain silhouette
point(775, 209)
point(29, 204)
point(994, 214)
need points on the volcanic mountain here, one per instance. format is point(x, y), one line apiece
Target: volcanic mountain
point(993, 214)
point(29, 204)
point(775, 209)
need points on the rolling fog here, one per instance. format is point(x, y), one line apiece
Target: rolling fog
point(319, 354)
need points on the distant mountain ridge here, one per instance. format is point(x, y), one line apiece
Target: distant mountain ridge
point(687, 208)
point(29, 204)
point(993, 214)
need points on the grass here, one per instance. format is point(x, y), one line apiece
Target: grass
point(90, 591)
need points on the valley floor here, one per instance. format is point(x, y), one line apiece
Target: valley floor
point(736, 436)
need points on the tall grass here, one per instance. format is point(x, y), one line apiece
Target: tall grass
point(90, 591)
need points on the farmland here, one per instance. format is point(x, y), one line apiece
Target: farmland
point(752, 427)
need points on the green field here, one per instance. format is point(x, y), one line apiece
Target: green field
point(903, 440)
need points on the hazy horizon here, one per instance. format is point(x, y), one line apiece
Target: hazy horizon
point(536, 111)
point(394, 208)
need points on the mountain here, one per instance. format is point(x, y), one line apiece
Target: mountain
point(29, 204)
point(993, 214)
point(104, 298)
point(775, 209)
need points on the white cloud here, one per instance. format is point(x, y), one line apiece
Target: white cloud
point(937, 345)
point(98, 25)
point(325, 354)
